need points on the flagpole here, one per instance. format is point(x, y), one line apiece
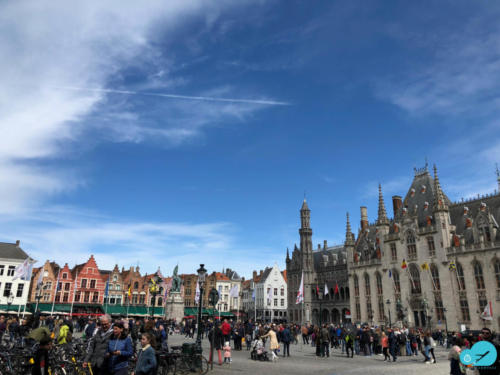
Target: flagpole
point(54, 299)
point(74, 294)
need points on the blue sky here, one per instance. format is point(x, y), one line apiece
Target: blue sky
point(188, 131)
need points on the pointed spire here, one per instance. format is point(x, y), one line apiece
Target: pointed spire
point(498, 177)
point(382, 213)
point(287, 254)
point(439, 201)
point(348, 232)
point(305, 207)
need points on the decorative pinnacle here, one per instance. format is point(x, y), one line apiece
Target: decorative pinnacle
point(287, 254)
point(498, 176)
point(382, 213)
point(348, 232)
point(439, 203)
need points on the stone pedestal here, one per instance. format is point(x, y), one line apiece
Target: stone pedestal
point(174, 307)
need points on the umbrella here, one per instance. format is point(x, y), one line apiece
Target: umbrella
point(40, 334)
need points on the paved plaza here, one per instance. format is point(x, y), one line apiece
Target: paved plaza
point(303, 360)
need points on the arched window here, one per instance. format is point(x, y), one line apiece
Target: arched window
point(160, 301)
point(478, 275)
point(411, 245)
point(435, 277)
point(346, 292)
point(395, 277)
point(342, 295)
point(497, 272)
point(356, 286)
point(136, 285)
point(367, 285)
point(415, 279)
point(460, 276)
point(379, 283)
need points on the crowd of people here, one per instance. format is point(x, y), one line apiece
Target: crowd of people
point(111, 344)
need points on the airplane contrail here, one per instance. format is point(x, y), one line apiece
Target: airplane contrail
point(175, 96)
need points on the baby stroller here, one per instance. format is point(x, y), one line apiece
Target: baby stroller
point(258, 352)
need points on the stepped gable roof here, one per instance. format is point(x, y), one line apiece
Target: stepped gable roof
point(319, 255)
point(12, 251)
point(459, 217)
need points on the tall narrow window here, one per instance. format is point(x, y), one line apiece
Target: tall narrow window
point(367, 285)
point(411, 245)
point(478, 276)
point(497, 272)
point(460, 276)
point(464, 307)
point(415, 279)
point(381, 308)
point(356, 286)
point(394, 253)
point(431, 247)
point(20, 288)
point(439, 308)
point(379, 283)
point(358, 309)
point(435, 277)
point(395, 277)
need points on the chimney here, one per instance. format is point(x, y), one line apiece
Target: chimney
point(17, 243)
point(261, 272)
point(325, 244)
point(397, 203)
point(364, 218)
point(254, 274)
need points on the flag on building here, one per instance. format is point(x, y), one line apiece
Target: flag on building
point(404, 265)
point(317, 290)
point(269, 295)
point(39, 281)
point(75, 286)
point(106, 290)
point(336, 291)
point(129, 291)
point(58, 284)
point(197, 293)
point(253, 294)
point(452, 265)
point(234, 291)
point(390, 274)
point(220, 291)
point(425, 266)
point(326, 289)
point(22, 270)
point(347, 314)
point(300, 293)
point(487, 314)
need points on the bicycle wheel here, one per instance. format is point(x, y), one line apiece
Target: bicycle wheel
point(182, 366)
point(201, 364)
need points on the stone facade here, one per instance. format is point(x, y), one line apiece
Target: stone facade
point(436, 263)
point(323, 269)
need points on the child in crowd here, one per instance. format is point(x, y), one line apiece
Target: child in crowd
point(227, 352)
point(248, 341)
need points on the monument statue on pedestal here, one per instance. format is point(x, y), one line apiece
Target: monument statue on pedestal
point(175, 303)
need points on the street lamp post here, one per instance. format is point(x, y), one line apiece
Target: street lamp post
point(154, 289)
point(202, 272)
point(10, 299)
point(388, 303)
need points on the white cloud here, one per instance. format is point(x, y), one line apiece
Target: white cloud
point(49, 44)
point(459, 73)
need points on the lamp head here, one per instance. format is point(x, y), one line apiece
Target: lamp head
point(202, 272)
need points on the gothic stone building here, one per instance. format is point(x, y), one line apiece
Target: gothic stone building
point(435, 263)
point(323, 269)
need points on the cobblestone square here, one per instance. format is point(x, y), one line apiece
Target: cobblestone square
point(303, 360)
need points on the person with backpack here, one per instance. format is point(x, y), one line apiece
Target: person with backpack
point(349, 342)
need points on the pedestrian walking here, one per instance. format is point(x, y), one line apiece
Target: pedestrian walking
point(274, 345)
point(227, 352)
point(98, 347)
point(286, 338)
point(385, 347)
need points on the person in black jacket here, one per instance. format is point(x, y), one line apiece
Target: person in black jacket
point(216, 337)
point(41, 357)
point(286, 337)
point(486, 335)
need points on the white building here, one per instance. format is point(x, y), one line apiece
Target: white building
point(13, 293)
point(271, 295)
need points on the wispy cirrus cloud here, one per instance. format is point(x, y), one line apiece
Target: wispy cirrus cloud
point(460, 73)
point(90, 45)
